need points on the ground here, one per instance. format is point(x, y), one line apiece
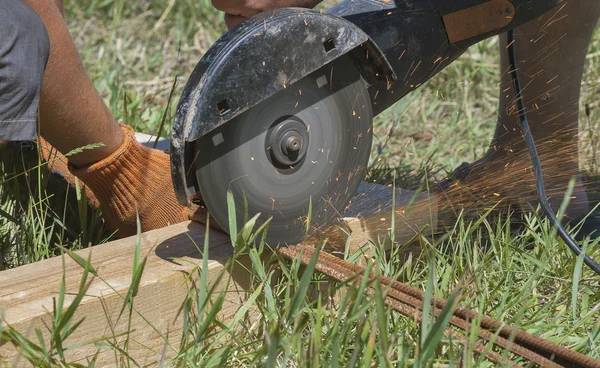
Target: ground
point(136, 52)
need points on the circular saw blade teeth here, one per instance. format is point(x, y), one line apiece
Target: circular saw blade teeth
point(305, 148)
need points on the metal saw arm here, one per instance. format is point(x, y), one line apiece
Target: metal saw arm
point(419, 38)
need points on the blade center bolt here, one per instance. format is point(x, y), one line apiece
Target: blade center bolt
point(291, 143)
point(287, 142)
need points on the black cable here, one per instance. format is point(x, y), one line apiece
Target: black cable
point(535, 159)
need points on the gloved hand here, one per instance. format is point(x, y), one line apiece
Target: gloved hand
point(237, 11)
point(133, 179)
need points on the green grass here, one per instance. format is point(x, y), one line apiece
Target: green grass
point(529, 280)
point(134, 52)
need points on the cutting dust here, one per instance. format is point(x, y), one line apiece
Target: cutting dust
point(503, 182)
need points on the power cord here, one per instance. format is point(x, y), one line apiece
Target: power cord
point(535, 159)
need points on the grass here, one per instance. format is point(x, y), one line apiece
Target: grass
point(134, 53)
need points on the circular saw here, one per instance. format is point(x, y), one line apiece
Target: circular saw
point(298, 155)
point(277, 115)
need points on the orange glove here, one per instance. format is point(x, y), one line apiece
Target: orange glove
point(133, 178)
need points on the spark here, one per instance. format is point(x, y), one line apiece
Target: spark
point(416, 67)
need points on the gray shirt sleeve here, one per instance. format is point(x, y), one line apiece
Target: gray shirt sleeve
point(24, 50)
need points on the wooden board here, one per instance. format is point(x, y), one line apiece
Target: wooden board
point(27, 292)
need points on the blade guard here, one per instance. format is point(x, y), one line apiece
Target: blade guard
point(253, 61)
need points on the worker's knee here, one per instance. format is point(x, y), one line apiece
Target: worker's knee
point(24, 52)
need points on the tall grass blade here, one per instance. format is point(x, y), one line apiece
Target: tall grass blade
point(427, 315)
point(202, 292)
point(382, 324)
point(577, 271)
point(163, 119)
point(437, 330)
point(304, 284)
point(309, 215)
point(233, 229)
point(137, 271)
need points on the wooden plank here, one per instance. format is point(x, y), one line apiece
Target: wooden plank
point(27, 292)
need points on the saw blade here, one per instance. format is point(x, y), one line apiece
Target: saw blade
point(305, 149)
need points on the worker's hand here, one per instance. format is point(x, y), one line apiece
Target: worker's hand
point(237, 11)
point(134, 181)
